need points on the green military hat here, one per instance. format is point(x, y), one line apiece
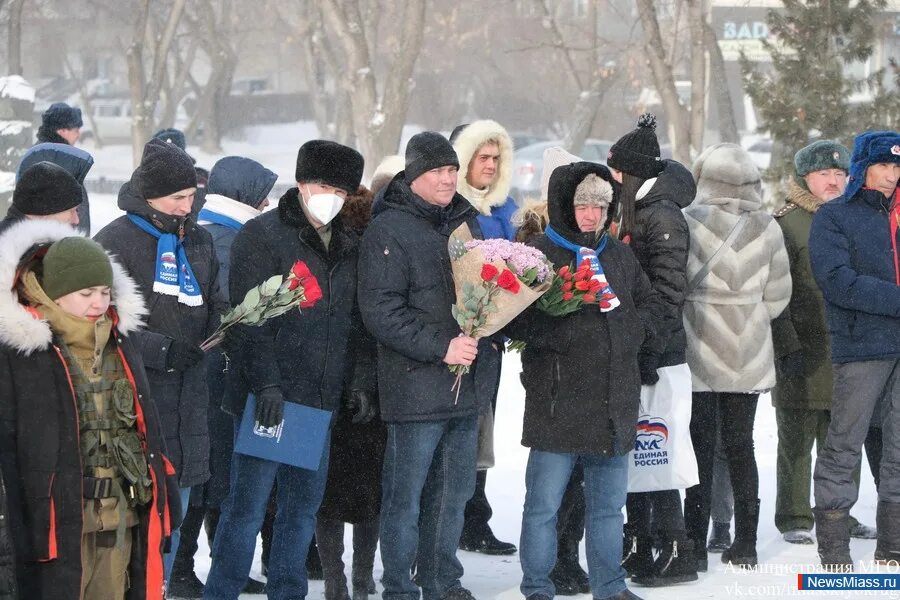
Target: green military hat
point(818, 156)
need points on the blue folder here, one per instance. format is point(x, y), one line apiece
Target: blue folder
point(299, 440)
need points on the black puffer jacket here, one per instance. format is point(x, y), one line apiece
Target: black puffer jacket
point(580, 371)
point(660, 242)
point(405, 294)
point(8, 587)
point(181, 396)
point(40, 455)
point(305, 353)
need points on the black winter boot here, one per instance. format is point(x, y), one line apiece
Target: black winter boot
point(720, 539)
point(697, 527)
point(833, 536)
point(887, 521)
point(676, 563)
point(746, 520)
point(637, 555)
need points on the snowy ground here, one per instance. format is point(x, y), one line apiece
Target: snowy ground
point(498, 577)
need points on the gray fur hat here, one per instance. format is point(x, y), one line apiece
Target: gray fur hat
point(821, 155)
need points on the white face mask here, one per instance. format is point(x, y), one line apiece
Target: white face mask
point(324, 207)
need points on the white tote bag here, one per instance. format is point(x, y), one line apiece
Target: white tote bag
point(663, 456)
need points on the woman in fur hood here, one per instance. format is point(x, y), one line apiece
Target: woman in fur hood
point(80, 446)
point(738, 281)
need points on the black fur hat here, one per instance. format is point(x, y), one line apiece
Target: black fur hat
point(321, 161)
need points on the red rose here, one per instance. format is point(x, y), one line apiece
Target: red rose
point(565, 273)
point(582, 286)
point(300, 270)
point(567, 296)
point(567, 286)
point(589, 298)
point(293, 284)
point(508, 281)
point(488, 271)
point(311, 291)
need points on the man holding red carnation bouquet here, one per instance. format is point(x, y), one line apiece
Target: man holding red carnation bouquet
point(301, 356)
point(581, 378)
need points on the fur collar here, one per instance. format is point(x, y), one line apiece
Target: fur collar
point(225, 206)
point(469, 140)
point(803, 198)
point(18, 328)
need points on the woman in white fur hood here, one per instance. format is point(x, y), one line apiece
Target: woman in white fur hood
point(738, 281)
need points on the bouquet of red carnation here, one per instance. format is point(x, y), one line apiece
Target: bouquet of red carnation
point(571, 289)
point(495, 281)
point(274, 297)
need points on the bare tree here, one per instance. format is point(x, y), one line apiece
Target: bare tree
point(14, 43)
point(377, 118)
point(728, 131)
point(145, 85)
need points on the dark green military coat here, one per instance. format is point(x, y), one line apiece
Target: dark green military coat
point(802, 326)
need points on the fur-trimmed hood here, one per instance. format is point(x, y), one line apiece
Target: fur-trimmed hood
point(727, 177)
point(468, 140)
point(19, 329)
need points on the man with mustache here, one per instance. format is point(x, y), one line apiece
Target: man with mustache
point(802, 395)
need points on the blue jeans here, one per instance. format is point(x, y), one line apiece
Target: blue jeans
point(298, 496)
point(175, 539)
point(605, 490)
point(429, 474)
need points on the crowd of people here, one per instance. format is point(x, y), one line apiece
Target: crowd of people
point(117, 429)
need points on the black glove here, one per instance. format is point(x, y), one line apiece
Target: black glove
point(791, 365)
point(182, 356)
point(269, 407)
point(362, 406)
point(648, 363)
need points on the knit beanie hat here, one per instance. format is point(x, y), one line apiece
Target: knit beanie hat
point(171, 135)
point(46, 189)
point(330, 163)
point(75, 263)
point(61, 116)
point(554, 157)
point(425, 151)
point(165, 169)
point(593, 191)
point(637, 152)
point(821, 155)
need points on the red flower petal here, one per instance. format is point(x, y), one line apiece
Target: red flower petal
point(567, 296)
point(300, 270)
point(293, 284)
point(567, 286)
point(582, 286)
point(563, 271)
point(605, 304)
point(508, 281)
point(488, 272)
point(589, 298)
point(311, 291)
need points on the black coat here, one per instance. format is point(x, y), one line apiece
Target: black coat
point(8, 584)
point(405, 294)
point(660, 242)
point(40, 455)
point(181, 396)
point(580, 371)
point(74, 160)
point(305, 353)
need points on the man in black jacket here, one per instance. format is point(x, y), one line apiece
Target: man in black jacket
point(300, 357)
point(405, 294)
point(60, 124)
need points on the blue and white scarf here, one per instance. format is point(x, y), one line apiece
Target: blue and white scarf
point(174, 276)
point(606, 298)
point(218, 219)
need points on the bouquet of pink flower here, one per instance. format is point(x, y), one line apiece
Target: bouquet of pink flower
point(273, 297)
point(495, 281)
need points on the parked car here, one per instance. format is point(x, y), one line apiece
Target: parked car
point(528, 164)
point(760, 150)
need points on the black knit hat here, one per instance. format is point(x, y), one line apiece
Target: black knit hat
point(637, 152)
point(428, 150)
point(46, 189)
point(321, 161)
point(173, 136)
point(165, 169)
point(61, 116)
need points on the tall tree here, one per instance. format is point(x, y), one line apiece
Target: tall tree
point(377, 118)
point(807, 89)
point(14, 42)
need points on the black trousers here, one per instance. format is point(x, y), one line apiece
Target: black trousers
point(737, 414)
point(650, 512)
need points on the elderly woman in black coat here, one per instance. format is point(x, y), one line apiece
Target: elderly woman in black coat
point(582, 384)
